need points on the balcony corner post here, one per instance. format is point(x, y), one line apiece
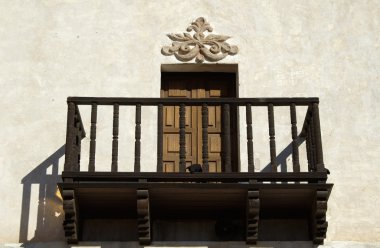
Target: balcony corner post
point(318, 138)
point(70, 138)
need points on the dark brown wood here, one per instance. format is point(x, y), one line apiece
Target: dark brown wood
point(186, 177)
point(295, 153)
point(272, 139)
point(115, 138)
point(253, 212)
point(143, 213)
point(160, 134)
point(312, 145)
point(70, 137)
point(138, 138)
point(205, 138)
point(299, 101)
point(319, 219)
point(318, 139)
point(307, 120)
point(70, 223)
point(182, 138)
point(226, 138)
point(251, 164)
point(94, 110)
point(308, 152)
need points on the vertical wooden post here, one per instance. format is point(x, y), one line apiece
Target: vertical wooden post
point(160, 134)
point(295, 154)
point(226, 138)
point(138, 138)
point(115, 138)
point(312, 145)
point(182, 138)
point(272, 139)
point(205, 137)
point(318, 138)
point(70, 137)
point(248, 111)
point(308, 150)
point(91, 164)
point(78, 141)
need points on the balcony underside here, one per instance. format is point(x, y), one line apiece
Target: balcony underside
point(157, 206)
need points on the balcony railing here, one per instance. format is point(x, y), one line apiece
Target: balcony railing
point(310, 132)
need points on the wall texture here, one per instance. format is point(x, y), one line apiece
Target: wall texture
point(53, 49)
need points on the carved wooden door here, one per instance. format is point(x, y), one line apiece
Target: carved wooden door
point(194, 85)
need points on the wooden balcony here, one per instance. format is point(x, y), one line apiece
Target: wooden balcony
point(223, 205)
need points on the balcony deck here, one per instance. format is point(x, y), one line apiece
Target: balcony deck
point(259, 205)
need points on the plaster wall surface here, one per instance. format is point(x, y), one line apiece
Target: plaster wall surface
point(50, 50)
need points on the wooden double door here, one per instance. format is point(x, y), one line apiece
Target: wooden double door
point(197, 85)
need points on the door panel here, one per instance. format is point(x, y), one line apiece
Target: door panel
point(195, 85)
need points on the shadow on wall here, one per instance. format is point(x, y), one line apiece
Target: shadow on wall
point(44, 179)
point(282, 156)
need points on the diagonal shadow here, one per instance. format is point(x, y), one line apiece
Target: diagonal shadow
point(282, 156)
point(49, 211)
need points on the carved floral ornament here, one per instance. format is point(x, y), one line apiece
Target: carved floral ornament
point(211, 48)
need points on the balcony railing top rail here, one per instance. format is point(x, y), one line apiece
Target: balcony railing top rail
point(283, 101)
point(310, 131)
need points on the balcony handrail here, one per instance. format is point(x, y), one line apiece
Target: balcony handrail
point(276, 101)
point(310, 129)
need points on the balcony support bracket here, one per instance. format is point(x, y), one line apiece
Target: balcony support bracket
point(70, 223)
point(143, 213)
point(319, 214)
point(253, 211)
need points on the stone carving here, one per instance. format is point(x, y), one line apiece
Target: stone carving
point(211, 47)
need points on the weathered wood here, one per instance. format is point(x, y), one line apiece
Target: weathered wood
point(94, 110)
point(272, 139)
point(205, 167)
point(143, 213)
point(115, 138)
point(251, 165)
point(70, 223)
point(283, 101)
point(319, 222)
point(252, 216)
point(160, 137)
point(182, 138)
point(138, 138)
point(295, 153)
point(70, 137)
point(318, 139)
point(226, 138)
point(308, 151)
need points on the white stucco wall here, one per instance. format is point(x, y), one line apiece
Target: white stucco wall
point(53, 49)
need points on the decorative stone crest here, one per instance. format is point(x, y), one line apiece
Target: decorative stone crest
point(211, 48)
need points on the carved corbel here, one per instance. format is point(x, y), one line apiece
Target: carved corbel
point(70, 223)
point(320, 223)
point(253, 211)
point(143, 215)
